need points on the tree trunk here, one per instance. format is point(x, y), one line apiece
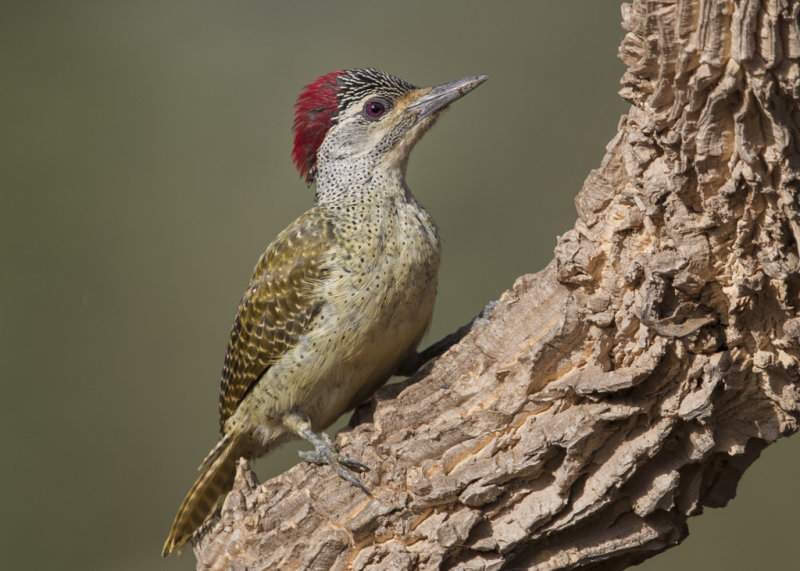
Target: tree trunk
point(618, 391)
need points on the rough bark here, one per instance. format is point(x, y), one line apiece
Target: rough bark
point(621, 389)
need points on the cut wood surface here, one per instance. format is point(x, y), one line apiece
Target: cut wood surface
point(616, 392)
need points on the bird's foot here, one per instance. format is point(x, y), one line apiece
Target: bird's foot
point(325, 453)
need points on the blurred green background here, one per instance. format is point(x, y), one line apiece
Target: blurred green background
point(144, 166)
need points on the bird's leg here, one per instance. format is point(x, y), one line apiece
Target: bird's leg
point(324, 451)
point(414, 361)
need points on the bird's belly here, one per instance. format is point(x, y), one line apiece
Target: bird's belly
point(368, 339)
point(355, 347)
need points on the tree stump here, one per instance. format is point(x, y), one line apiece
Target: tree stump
point(615, 393)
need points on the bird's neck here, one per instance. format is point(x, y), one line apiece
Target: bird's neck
point(360, 180)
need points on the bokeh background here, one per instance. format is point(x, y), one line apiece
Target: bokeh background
point(144, 166)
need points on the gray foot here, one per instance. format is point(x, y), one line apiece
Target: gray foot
point(324, 451)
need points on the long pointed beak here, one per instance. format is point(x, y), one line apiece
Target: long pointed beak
point(443, 95)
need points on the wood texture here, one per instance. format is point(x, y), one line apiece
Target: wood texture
point(627, 385)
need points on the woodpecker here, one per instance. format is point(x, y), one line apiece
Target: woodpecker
point(340, 299)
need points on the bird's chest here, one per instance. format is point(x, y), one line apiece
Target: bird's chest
point(391, 264)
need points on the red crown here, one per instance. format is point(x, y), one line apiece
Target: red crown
point(315, 110)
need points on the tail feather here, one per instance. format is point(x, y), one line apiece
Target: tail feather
point(210, 486)
point(215, 452)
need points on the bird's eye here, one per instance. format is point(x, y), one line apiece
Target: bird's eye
point(374, 109)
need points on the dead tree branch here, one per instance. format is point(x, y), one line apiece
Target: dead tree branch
point(618, 391)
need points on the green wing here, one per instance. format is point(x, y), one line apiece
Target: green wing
point(280, 302)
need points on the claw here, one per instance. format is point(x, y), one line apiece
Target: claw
point(325, 453)
point(345, 475)
point(353, 465)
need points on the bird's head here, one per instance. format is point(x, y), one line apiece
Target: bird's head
point(362, 119)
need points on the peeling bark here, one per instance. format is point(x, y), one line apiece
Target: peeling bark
point(621, 389)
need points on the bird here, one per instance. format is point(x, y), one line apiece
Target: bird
point(341, 298)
